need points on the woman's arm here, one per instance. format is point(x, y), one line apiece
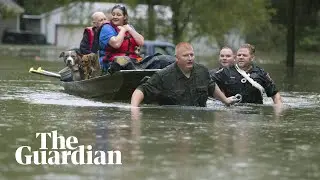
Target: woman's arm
point(116, 41)
point(136, 36)
point(107, 32)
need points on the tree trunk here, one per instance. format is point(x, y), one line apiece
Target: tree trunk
point(176, 28)
point(291, 33)
point(151, 21)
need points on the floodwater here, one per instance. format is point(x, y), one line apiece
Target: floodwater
point(162, 143)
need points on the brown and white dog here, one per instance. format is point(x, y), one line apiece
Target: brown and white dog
point(72, 59)
point(90, 65)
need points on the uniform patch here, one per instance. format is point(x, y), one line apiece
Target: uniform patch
point(254, 75)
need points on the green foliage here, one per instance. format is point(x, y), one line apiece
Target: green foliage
point(216, 18)
point(269, 37)
point(311, 39)
point(45, 6)
point(6, 12)
point(193, 18)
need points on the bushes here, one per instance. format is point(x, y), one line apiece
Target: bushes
point(272, 37)
point(310, 41)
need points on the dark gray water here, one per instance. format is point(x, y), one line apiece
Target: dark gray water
point(217, 142)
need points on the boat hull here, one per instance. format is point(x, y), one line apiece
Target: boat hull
point(118, 86)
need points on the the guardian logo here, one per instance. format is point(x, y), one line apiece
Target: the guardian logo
point(68, 152)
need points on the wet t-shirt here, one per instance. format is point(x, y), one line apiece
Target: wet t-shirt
point(170, 86)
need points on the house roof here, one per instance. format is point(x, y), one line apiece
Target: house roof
point(10, 4)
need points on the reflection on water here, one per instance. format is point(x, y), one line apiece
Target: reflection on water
point(216, 142)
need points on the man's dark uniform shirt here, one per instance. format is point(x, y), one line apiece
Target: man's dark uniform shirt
point(212, 71)
point(229, 81)
point(170, 86)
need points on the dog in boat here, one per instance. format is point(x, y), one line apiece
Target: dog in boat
point(90, 65)
point(82, 66)
point(72, 59)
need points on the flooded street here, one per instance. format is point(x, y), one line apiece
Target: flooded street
point(242, 142)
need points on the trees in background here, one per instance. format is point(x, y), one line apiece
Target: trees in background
point(36, 7)
point(260, 21)
point(9, 10)
point(192, 19)
point(307, 18)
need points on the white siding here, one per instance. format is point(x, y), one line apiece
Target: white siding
point(49, 25)
point(69, 37)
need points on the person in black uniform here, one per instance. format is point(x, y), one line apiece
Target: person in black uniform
point(226, 59)
point(232, 79)
point(181, 83)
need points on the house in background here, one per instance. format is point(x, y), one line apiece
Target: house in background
point(9, 16)
point(31, 23)
point(64, 26)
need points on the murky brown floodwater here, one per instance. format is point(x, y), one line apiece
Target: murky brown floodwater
point(240, 142)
